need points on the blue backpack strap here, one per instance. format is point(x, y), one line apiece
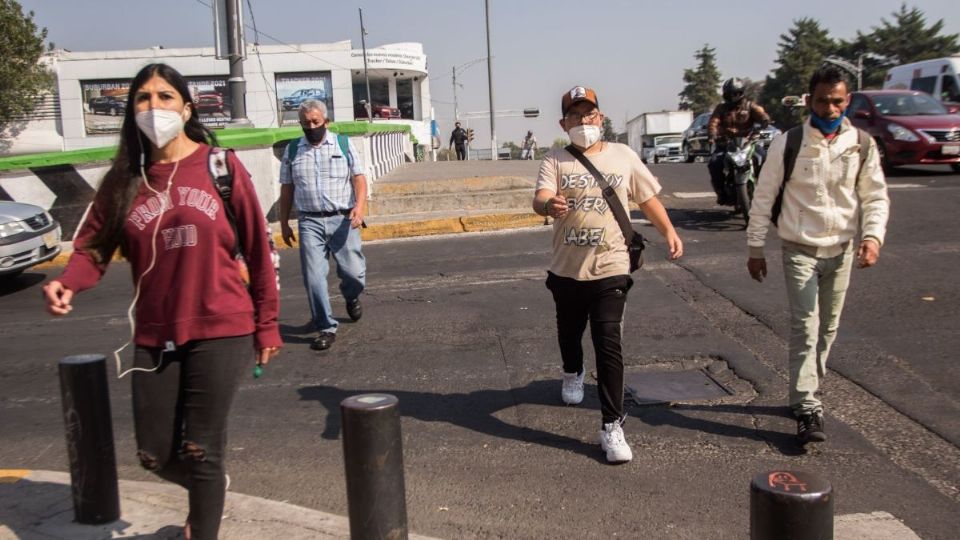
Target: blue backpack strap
point(292, 148)
point(344, 143)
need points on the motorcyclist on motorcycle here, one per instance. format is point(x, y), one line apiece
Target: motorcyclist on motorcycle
point(735, 117)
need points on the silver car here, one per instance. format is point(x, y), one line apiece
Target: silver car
point(28, 236)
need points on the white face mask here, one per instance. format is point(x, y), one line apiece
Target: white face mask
point(584, 136)
point(160, 125)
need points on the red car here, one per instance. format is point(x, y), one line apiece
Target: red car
point(910, 127)
point(379, 111)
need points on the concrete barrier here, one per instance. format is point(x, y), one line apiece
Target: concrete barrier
point(64, 183)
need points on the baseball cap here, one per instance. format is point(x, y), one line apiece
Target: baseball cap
point(576, 95)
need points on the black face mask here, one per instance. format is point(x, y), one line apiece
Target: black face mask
point(315, 135)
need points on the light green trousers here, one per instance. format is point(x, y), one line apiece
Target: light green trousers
point(816, 288)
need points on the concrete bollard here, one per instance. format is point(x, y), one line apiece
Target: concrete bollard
point(89, 429)
point(373, 457)
point(790, 505)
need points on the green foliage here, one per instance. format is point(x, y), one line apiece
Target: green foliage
point(560, 142)
point(701, 92)
point(514, 149)
point(608, 133)
point(801, 51)
point(22, 79)
point(905, 39)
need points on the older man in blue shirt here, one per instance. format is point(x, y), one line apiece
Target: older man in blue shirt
point(321, 173)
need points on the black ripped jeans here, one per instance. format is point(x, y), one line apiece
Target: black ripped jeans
point(601, 302)
point(180, 413)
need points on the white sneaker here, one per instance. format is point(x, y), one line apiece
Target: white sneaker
point(572, 391)
point(613, 443)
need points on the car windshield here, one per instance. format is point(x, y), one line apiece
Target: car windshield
point(907, 105)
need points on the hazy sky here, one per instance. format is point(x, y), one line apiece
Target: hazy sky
point(632, 52)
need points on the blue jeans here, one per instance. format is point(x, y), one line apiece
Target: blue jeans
point(816, 289)
point(319, 238)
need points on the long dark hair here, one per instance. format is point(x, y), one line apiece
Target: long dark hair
point(122, 182)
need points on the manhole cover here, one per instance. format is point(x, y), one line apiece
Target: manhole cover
point(653, 387)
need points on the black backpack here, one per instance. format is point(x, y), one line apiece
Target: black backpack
point(790, 151)
point(222, 177)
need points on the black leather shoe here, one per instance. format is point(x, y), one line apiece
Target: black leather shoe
point(323, 341)
point(354, 309)
point(810, 428)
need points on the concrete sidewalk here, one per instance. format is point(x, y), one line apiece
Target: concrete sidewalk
point(38, 505)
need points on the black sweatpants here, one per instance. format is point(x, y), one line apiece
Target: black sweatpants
point(461, 152)
point(180, 416)
point(601, 302)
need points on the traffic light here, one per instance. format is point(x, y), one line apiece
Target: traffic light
point(469, 134)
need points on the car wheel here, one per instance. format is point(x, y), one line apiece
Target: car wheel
point(687, 156)
point(376, 115)
point(113, 112)
point(884, 162)
point(955, 167)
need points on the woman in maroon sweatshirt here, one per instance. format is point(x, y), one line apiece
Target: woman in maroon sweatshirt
point(199, 326)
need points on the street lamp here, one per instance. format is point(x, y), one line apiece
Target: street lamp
point(493, 131)
point(856, 69)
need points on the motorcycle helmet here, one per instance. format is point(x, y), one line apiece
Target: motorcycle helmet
point(733, 90)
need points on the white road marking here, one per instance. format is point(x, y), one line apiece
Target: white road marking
point(904, 186)
point(694, 194)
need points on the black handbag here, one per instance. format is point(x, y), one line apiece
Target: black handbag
point(633, 239)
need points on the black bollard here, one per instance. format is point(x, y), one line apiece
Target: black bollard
point(89, 428)
point(373, 457)
point(790, 505)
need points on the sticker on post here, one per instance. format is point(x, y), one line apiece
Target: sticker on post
point(785, 481)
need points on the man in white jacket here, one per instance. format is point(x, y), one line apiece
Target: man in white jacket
point(833, 188)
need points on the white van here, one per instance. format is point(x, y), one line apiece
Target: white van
point(938, 77)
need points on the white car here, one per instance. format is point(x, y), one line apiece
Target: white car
point(28, 236)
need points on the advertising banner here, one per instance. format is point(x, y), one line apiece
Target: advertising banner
point(104, 102)
point(294, 88)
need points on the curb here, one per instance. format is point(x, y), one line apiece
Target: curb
point(389, 230)
point(39, 504)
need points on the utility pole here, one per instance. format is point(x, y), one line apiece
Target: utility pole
point(236, 53)
point(455, 115)
point(493, 131)
point(363, 43)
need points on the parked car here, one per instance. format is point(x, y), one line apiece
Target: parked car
point(295, 99)
point(378, 110)
point(209, 102)
point(695, 139)
point(28, 236)
point(111, 105)
point(910, 127)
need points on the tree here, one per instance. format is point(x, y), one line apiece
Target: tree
point(514, 149)
point(801, 51)
point(22, 78)
point(559, 142)
point(701, 91)
point(905, 39)
point(608, 133)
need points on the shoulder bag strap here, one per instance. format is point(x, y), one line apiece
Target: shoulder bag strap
point(609, 194)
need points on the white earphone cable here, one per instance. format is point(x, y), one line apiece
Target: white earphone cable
point(164, 197)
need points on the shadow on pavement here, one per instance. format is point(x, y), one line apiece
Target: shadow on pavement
point(710, 220)
point(10, 285)
point(785, 443)
point(473, 410)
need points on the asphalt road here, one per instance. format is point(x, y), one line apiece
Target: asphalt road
point(461, 329)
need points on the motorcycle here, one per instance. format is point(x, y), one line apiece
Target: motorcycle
point(741, 165)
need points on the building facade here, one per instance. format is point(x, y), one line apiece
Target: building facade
point(87, 107)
